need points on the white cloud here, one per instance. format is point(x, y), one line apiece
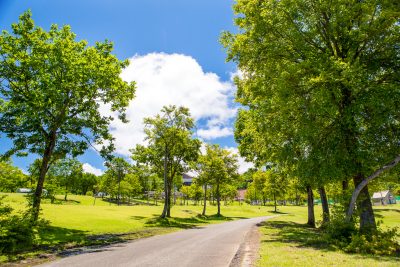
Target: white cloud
point(243, 165)
point(90, 169)
point(214, 132)
point(174, 79)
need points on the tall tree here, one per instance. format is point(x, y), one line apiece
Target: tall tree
point(117, 170)
point(221, 168)
point(11, 178)
point(170, 147)
point(51, 89)
point(66, 172)
point(321, 83)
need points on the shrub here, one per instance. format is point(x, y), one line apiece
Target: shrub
point(346, 236)
point(16, 231)
point(381, 242)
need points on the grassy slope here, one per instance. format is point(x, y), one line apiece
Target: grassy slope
point(287, 242)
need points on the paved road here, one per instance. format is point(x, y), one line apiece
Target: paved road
point(213, 245)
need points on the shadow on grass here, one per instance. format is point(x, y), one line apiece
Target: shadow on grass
point(302, 236)
point(380, 210)
point(187, 223)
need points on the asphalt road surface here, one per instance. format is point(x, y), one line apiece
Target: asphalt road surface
point(213, 245)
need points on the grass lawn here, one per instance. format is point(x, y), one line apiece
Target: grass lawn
point(78, 222)
point(286, 241)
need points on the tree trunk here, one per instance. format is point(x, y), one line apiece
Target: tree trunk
point(66, 192)
point(205, 200)
point(164, 213)
point(169, 201)
point(364, 206)
point(218, 201)
point(359, 190)
point(310, 204)
point(274, 202)
point(345, 186)
point(42, 174)
point(325, 205)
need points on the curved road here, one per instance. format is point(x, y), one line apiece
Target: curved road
point(214, 245)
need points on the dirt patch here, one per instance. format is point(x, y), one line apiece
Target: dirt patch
point(247, 253)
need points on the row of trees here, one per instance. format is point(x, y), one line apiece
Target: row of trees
point(320, 84)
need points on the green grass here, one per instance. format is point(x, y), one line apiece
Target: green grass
point(286, 241)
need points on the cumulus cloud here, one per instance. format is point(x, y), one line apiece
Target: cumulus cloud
point(90, 169)
point(174, 79)
point(243, 164)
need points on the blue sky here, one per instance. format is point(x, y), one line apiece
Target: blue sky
point(175, 58)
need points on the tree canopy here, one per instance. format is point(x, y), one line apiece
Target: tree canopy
point(321, 86)
point(51, 89)
point(170, 147)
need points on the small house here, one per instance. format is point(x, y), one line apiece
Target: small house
point(383, 198)
point(24, 190)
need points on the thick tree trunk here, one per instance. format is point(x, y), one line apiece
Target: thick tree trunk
point(42, 174)
point(360, 185)
point(205, 200)
point(345, 186)
point(218, 201)
point(364, 207)
point(325, 205)
point(310, 204)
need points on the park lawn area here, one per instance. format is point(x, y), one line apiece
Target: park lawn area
point(287, 241)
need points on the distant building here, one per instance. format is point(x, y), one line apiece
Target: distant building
point(241, 193)
point(187, 179)
point(24, 190)
point(383, 198)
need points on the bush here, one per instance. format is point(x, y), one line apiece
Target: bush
point(346, 236)
point(89, 193)
point(16, 231)
point(380, 243)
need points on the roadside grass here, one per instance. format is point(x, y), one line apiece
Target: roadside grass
point(287, 241)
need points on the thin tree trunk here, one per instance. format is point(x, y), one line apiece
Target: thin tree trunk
point(164, 213)
point(325, 205)
point(274, 202)
point(310, 204)
point(42, 174)
point(205, 200)
point(119, 189)
point(218, 201)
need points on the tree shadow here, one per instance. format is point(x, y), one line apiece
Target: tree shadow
point(186, 223)
point(381, 210)
point(303, 236)
point(300, 234)
point(52, 235)
point(182, 223)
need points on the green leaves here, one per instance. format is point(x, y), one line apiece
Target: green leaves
point(53, 85)
point(320, 84)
